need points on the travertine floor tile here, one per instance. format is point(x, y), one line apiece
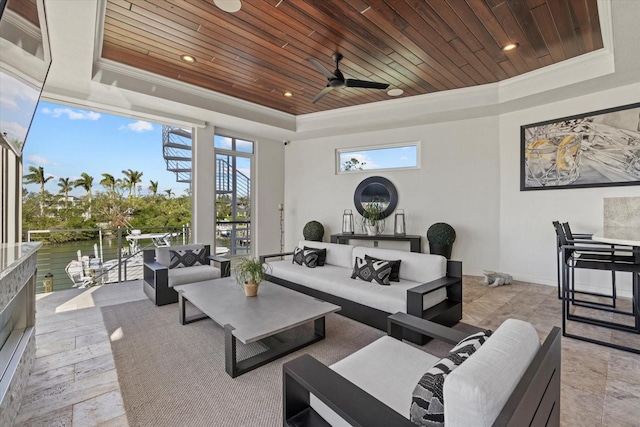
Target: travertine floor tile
point(60, 418)
point(622, 404)
point(99, 409)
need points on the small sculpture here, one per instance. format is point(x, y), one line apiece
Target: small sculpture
point(494, 279)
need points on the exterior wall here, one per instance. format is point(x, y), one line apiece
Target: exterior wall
point(458, 183)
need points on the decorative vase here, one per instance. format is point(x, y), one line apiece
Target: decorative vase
point(251, 289)
point(444, 250)
point(372, 229)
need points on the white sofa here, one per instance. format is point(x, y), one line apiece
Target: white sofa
point(430, 286)
point(510, 380)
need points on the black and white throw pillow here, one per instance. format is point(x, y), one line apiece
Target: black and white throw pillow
point(372, 270)
point(395, 267)
point(308, 258)
point(187, 258)
point(427, 403)
point(470, 344)
point(322, 255)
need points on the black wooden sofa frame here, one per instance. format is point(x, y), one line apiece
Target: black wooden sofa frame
point(534, 402)
point(155, 280)
point(447, 312)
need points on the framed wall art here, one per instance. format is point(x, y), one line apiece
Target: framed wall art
point(596, 149)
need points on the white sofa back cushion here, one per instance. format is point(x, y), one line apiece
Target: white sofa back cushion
point(476, 391)
point(338, 255)
point(421, 268)
point(163, 256)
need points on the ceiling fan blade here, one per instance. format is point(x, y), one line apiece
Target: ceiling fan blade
point(365, 84)
point(328, 74)
point(322, 93)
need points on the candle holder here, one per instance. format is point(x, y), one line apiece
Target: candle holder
point(399, 228)
point(347, 222)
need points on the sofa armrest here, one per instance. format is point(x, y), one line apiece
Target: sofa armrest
point(155, 266)
point(223, 263)
point(397, 322)
point(305, 375)
point(263, 258)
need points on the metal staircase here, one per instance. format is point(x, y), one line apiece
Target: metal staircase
point(176, 150)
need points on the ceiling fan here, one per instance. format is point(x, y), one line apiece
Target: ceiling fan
point(336, 79)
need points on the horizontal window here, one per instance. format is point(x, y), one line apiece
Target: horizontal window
point(233, 144)
point(396, 156)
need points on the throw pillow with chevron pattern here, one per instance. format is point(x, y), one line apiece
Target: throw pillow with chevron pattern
point(307, 257)
point(187, 258)
point(427, 403)
point(369, 271)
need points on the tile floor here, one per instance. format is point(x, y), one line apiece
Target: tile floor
point(74, 381)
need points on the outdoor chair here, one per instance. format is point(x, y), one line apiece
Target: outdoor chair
point(510, 380)
point(169, 266)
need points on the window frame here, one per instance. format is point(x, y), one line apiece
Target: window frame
point(339, 151)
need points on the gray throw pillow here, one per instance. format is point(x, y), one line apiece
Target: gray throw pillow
point(187, 258)
point(372, 270)
point(308, 257)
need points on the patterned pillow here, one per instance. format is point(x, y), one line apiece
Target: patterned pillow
point(308, 258)
point(372, 270)
point(322, 255)
point(187, 258)
point(395, 267)
point(427, 404)
point(470, 344)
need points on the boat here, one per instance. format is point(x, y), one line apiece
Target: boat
point(89, 270)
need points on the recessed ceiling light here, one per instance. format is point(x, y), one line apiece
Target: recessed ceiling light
point(395, 92)
point(188, 58)
point(510, 46)
point(228, 5)
point(288, 94)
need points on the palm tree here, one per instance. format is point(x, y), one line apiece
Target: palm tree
point(169, 192)
point(37, 176)
point(65, 186)
point(109, 182)
point(153, 187)
point(132, 178)
point(86, 182)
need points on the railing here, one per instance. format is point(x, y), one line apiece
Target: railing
point(96, 256)
point(233, 238)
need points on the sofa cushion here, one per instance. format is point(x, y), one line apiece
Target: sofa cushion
point(369, 270)
point(305, 257)
point(416, 267)
point(476, 392)
point(402, 365)
point(197, 273)
point(338, 255)
point(322, 255)
point(163, 255)
point(337, 281)
point(180, 258)
point(395, 267)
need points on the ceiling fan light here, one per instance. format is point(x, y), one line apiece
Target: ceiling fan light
point(288, 94)
point(395, 92)
point(510, 46)
point(188, 58)
point(230, 6)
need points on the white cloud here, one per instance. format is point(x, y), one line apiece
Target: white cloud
point(139, 126)
point(14, 90)
point(37, 160)
point(71, 114)
point(14, 130)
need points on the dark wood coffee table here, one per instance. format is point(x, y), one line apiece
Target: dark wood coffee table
point(249, 319)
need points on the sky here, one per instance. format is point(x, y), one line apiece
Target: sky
point(69, 141)
point(383, 158)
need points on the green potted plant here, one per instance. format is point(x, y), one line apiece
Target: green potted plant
point(314, 231)
point(372, 217)
point(441, 237)
point(250, 272)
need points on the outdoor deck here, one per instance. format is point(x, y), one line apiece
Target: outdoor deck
point(74, 380)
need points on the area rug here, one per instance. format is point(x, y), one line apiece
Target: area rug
point(172, 374)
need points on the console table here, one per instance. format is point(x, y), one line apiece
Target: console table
point(414, 241)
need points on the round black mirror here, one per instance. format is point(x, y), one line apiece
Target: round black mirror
point(376, 189)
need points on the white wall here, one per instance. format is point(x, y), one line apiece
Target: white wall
point(268, 194)
point(527, 238)
point(457, 183)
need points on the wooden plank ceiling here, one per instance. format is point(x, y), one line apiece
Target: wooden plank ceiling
point(419, 46)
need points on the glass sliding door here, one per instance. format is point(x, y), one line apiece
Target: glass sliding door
point(233, 195)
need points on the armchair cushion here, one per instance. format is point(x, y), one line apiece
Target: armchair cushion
point(197, 273)
point(187, 257)
point(163, 253)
